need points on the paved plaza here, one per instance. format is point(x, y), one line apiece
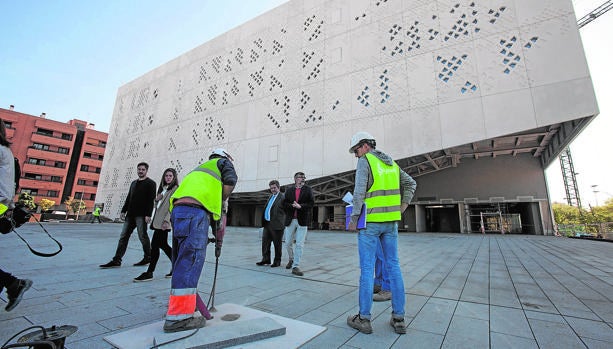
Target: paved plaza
point(462, 291)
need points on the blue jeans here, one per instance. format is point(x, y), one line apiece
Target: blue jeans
point(189, 240)
point(295, 231)
point(368, 238)
point(381, 276)
point(124, 237)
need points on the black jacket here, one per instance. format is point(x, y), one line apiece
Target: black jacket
point(277, 214)
point(306, 200)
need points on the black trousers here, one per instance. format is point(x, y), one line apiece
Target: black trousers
point(159, 241)
point(6, 279)
point(276, 237)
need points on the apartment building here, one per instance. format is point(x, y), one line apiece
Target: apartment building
point(58, 160)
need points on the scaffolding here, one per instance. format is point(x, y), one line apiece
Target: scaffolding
point(492, 218)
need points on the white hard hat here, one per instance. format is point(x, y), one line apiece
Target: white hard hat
point(359, 137)
point(221, 152)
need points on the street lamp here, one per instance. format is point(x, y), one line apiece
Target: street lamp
point(595, 192)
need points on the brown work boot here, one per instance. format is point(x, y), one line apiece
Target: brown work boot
point(184, 325)
point(362, 325)
point(382, 296)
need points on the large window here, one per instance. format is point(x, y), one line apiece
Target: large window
point(40, 146)
point(62, 150)
point(44, 132)
point(34, 161)
point(66, 136)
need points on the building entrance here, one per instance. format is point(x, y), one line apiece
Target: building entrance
point(442, 218)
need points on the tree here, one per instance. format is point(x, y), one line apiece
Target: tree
point(74, 205)
point(46, 204)
point(26, 200)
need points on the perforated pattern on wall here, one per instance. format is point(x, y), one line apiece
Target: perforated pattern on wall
point(304, 70)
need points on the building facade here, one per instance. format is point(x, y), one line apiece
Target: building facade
point(58, 160)
point(472, 98)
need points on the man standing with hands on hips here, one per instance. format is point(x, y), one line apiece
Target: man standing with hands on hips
point(298, 204)
point(387, 191)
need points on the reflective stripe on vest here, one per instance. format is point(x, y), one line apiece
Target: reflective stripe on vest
point(383, 198)
point(181, 304)
point(204, 185)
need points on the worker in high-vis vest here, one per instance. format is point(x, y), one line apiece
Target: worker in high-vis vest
point(386, 190)
point(201, 197)
point(15, 288)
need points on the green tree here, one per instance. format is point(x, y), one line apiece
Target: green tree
point(26, 200)
point(565, 214)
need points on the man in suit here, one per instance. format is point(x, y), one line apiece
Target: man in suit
point(273, 221)
point(298, 205)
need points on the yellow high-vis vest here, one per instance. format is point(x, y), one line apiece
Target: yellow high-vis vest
point(203, 184)
point(383, 198)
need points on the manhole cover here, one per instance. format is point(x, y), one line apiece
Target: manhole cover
point(230, 317)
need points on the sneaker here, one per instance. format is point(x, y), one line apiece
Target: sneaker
point(382, 296)
point(399, 325)
point(15, 292)
point(144, 277)
point(184, 325)
point(143, 261)
point(111, 264)
point(169, 275)
point(297, 271)
point(376, 289)
point(289, 264)
point(362, 325)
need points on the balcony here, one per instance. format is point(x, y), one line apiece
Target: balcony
point(53, 141)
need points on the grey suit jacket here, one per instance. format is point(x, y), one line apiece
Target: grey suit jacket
point(277, 213)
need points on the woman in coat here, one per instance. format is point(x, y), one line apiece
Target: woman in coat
point(161, 223)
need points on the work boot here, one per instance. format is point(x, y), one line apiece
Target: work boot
point(297, 271)
point(184, 325)
point(289, 264)
point(376, 289)
point(382, 296)
point(15, 292)
point(362, 325)
point(144, 277)
point(111, 264)
point(143, 261)
point(399, 325)
point(169, 275)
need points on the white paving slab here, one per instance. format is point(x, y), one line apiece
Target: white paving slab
point(297, 332)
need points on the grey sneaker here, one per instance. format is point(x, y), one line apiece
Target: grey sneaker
point(399, 325)
point(362, 325)
point(297, 271)
point(15, 292)
point(382, 296)
point(184, 325)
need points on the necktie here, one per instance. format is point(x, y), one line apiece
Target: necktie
point(268, 206)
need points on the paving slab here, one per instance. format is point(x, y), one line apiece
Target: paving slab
point(519, 291)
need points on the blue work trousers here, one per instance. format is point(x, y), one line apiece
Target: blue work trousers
point(190, 226)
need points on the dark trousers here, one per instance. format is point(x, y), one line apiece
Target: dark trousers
point(275, 236)
point(6, 279)
point(128, 228)
point(96, 217)
point(159, 241)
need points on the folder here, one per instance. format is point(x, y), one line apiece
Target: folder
point(361, 219)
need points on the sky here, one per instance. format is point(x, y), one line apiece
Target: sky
point(68, 58)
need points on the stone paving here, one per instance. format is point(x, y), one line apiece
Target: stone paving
point(462, 291)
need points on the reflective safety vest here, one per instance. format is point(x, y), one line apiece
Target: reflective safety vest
point(203, 184)
point(383, 198)
point(3, 208)
point(97, 212)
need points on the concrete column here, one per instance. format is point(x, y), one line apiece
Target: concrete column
point(420, 219)
point(463, 217)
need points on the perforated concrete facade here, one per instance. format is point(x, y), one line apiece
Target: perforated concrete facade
point(285, 91)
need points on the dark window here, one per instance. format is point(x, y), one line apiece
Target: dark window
point(52, 193)
point(36, 161)
point(92, 197)
point(96, 183)
point(97, 169)
point(81, 182)
point(60, 164)
point(87, 155)
point(62, 150)
point(100, 157)
point(33, 176)
point(8, 124)
point(44, 132)
point(57, 179)
point(66, 136)
point(84, 168)
point(102, 144)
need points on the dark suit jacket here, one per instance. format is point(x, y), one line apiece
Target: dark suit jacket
point(277, 213)
point(306, 200)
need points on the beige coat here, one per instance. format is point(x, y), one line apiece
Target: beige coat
point(162, 214)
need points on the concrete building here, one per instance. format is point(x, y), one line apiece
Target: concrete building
point(57, 159)
point(473, 98)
